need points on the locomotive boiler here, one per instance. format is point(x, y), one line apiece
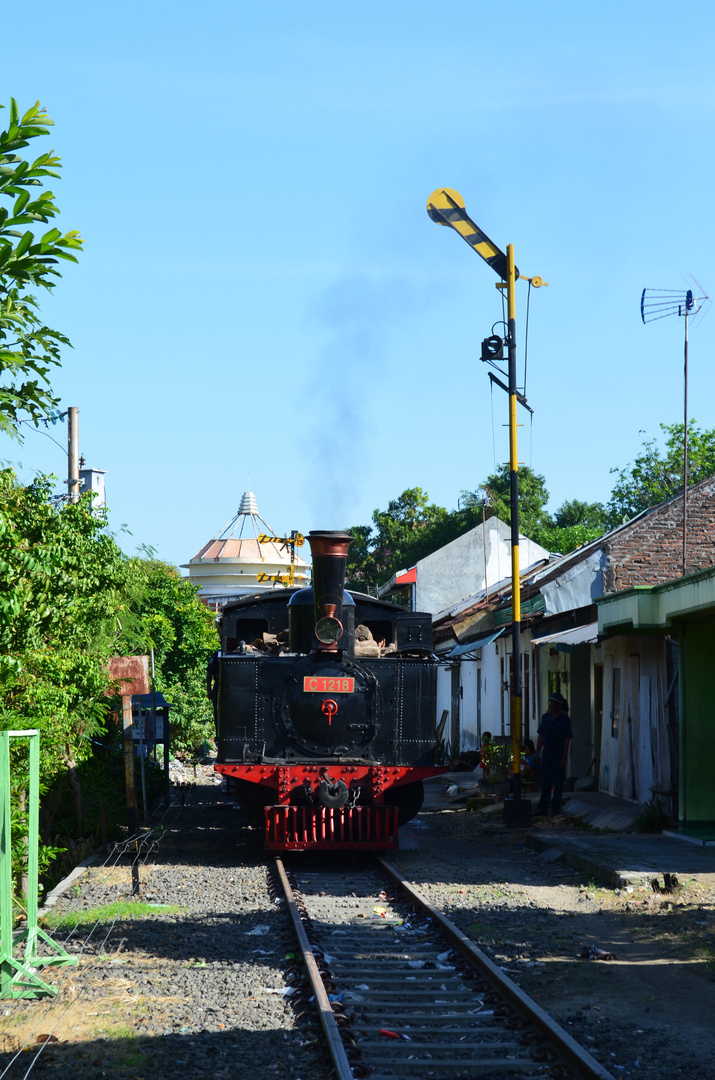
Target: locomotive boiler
point(326, 709)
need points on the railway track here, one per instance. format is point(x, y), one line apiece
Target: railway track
point(402, 992)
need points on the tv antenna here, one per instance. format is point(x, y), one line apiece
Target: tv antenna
point(659, 304)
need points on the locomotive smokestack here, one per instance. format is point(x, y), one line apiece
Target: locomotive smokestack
point(330, 556)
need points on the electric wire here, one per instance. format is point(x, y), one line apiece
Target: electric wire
point(494, 438)
point(117, 852)
point(526, 336)
point(60, 986)
point(16, 1003)
point(64, 1011)
point(47, 434)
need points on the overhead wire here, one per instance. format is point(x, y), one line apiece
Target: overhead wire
point(116, 853)
point(494, 438)
point(526, 336)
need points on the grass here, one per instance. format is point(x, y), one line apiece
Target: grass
point(120, 909)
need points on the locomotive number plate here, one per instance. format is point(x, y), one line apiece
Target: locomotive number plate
point(321, 684)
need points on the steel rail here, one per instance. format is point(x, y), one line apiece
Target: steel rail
point(578, 1058)
point(329, 1024)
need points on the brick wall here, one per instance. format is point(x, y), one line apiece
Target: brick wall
point(651, 550)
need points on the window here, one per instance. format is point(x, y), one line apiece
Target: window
point(616, 703)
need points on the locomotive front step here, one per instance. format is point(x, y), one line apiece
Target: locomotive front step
point(302, 828)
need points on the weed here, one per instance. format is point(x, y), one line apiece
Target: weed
point(652, 818)
point(120, 909)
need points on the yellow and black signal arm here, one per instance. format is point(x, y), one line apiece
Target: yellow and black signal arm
point(298, 539)
point(446, 207)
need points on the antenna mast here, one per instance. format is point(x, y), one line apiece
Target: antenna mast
point(659, 304)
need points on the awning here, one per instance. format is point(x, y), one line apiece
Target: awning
point(473, 646)
point(566, 639)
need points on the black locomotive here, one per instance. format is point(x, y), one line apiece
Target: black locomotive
point(326, 709)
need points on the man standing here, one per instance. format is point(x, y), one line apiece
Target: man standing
point(555, 736)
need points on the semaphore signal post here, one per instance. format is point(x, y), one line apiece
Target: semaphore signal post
point(446, 207)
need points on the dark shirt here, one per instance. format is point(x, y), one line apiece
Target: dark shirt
point(554, 731)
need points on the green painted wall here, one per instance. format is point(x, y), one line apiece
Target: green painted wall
point(697, 724)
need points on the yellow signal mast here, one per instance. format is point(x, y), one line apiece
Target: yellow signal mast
point(446, 207)
point(293, 541)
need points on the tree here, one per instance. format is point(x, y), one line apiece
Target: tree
point(657, 475)
point(575, 523)
point(573, 513)
point(408, 530)
point(169, 617)
point(28, 348)
point(533, 498)
point(70, 599)
point(63, 593)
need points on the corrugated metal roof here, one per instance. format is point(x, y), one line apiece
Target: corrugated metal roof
point(474, 646)
point(578, 635)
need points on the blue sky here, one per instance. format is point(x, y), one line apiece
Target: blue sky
point(263, 300)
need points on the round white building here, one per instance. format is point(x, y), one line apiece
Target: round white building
point(232, 562)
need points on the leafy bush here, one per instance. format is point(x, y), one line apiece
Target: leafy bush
point(652, 818)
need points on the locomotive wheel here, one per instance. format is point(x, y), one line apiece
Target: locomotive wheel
point(408, 799)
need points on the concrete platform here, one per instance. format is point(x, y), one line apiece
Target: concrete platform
point(626, 858)
point(619, 857)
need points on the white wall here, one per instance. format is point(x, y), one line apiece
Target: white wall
point(636, 758)
point(457, 570)
point(469, 733)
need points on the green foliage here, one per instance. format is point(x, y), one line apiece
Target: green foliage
point(573, 513)
point(410, 529)
point(169, 618)
point(118, 910)
point(657, 474)
point(574, 523)
point(564, 540)
point(533, 498)
point(652, 818)
point(28, 348)
point(498, 759)
point(69, 600)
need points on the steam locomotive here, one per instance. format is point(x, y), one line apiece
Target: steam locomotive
point(325, 709)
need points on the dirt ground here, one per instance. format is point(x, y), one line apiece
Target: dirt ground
point(647, 1012)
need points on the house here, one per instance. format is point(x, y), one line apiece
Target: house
point(623, 690)
point(477, 566)
point(475, 561)
point(659, 645)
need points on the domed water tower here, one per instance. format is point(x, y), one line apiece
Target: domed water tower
point(246, 556)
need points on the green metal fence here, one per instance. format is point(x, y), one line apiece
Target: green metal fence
point(20, 959)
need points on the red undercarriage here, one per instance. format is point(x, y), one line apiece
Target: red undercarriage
point(369, 825)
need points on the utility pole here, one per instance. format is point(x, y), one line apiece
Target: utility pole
point(516, 702)
point(446, 207)
point(73, 454)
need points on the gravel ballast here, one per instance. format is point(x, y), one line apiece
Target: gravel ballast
point(195, 992)
point(200, 991)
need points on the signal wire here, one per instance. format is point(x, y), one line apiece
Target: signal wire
point(526, 337)
point(81, 950)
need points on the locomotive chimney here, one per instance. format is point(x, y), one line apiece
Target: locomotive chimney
point(330, 556)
